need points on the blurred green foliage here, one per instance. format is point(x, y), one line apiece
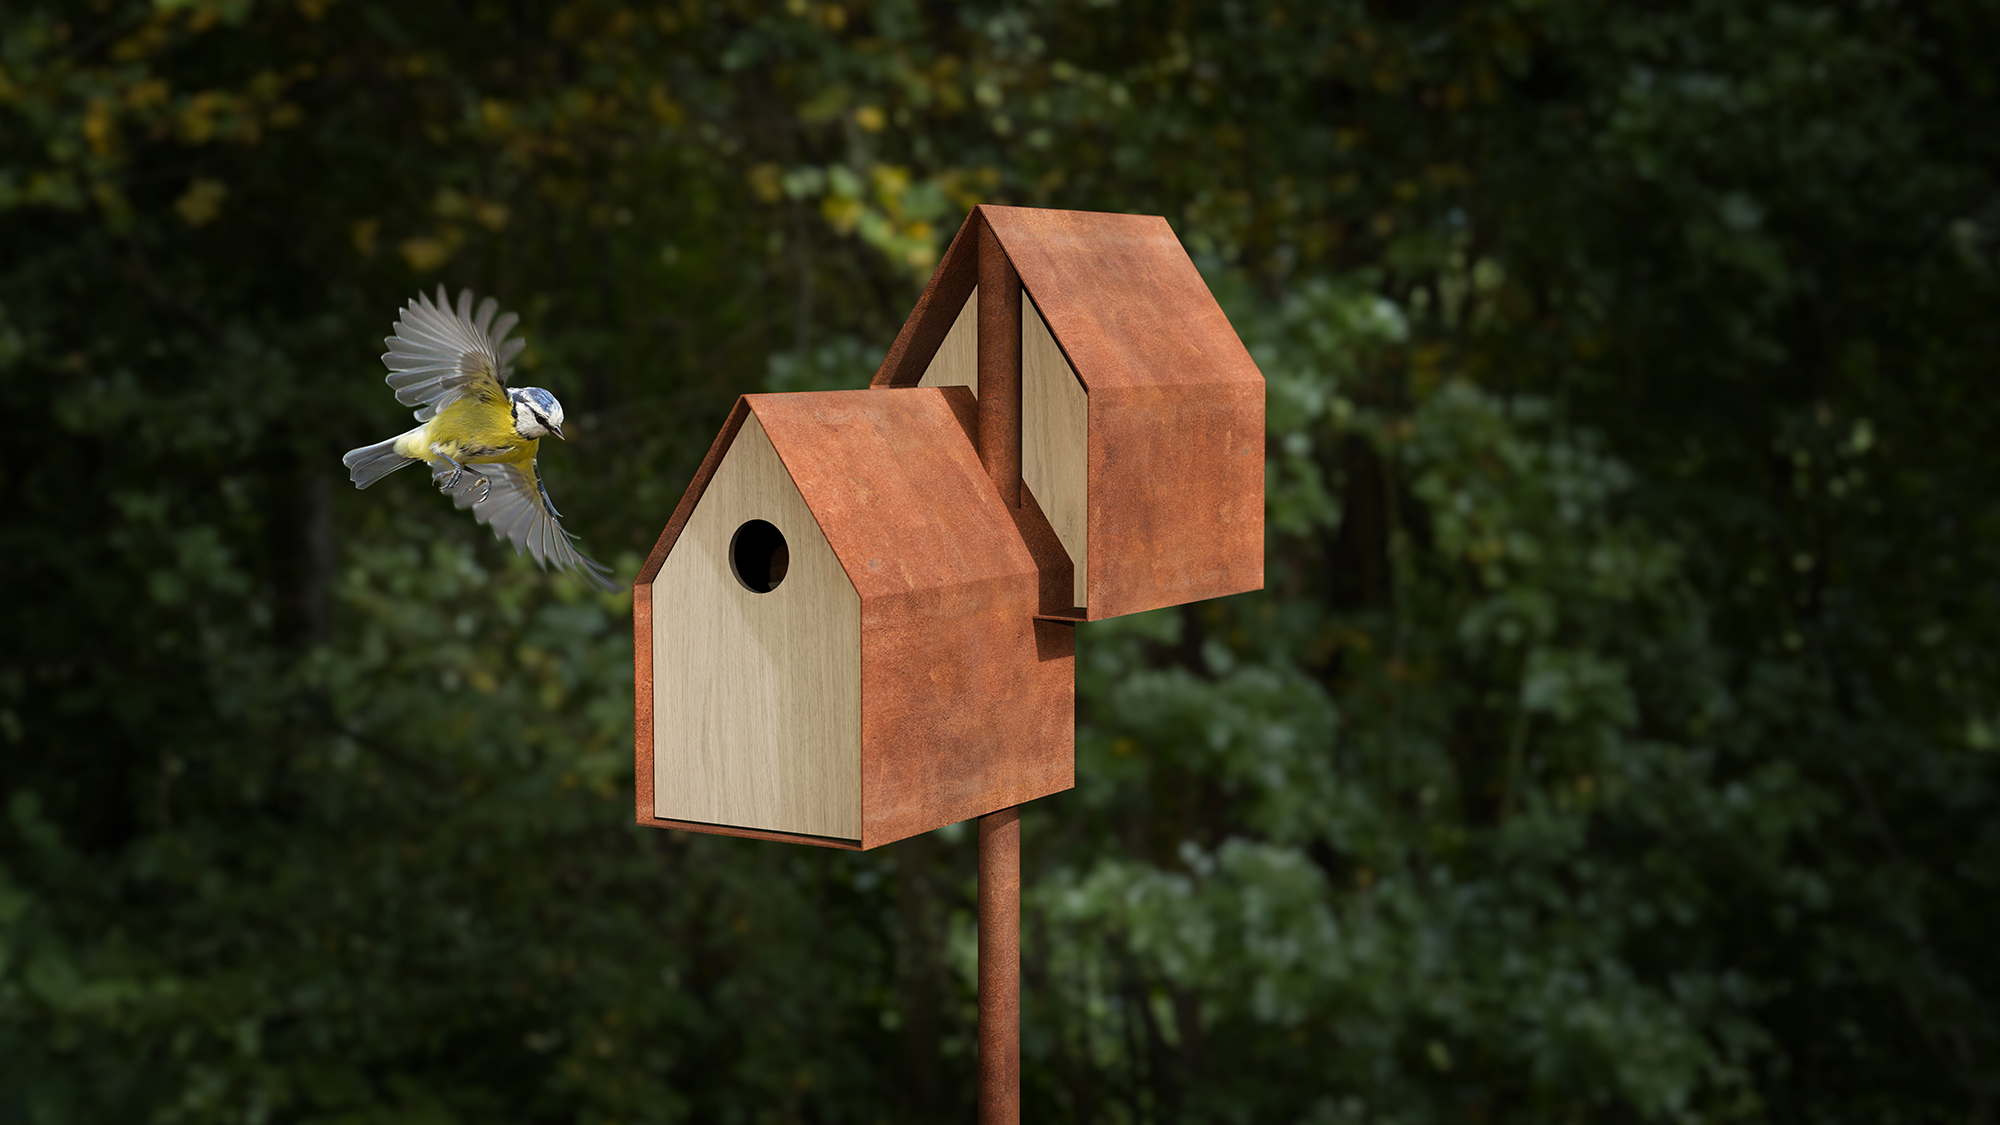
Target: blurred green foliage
point(1616, 739)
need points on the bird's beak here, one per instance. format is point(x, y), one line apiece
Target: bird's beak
point(557, 430)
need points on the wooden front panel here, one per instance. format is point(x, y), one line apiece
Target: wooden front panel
point(956, 363)
point(756, 696)
point(1055, 442)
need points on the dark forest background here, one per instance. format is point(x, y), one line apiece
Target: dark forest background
point(1617, 738)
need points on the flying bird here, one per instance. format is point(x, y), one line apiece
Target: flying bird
point(478, 436)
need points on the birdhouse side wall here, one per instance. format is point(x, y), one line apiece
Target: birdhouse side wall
point(1055, 443)
point(1177, 494)
point(756, 696)
point(968, 706)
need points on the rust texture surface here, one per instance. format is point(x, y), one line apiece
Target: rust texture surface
point(965, 709)
point(1176, 496)
point(1122, 297)
point(899, 493)
point(999, 368)
point(1176, 405)
point(642, 701)
point(1000, 968)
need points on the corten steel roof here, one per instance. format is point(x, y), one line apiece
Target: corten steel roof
point(968, 701)
point(1117, 291)
point(897, 489)
point(1176, 431)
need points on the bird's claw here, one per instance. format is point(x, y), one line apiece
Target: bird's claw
point(485, 487)
point(449, 481)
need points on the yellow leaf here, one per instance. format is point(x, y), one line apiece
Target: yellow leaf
point(197, 119)
point(99, 127)
point(151, 92)
point(665, 108)
point(891, 180)
point(767, 181)
point(490, 214)
point(871, 118)
point(841, 212)
point(201, 202)
point(424, 254)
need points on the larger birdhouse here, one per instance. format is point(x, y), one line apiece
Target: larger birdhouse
point(859, 623)
point(1142, 415)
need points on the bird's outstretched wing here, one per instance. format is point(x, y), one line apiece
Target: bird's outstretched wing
point(439, 352)
point(517, 508)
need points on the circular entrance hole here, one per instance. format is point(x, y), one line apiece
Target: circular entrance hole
point(758, 555)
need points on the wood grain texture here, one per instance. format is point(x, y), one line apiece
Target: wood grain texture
point(956, 363)
point(1055, 442)
point(756, 697)
point(642, 616)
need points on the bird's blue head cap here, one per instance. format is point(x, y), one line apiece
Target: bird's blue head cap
point(536, 412)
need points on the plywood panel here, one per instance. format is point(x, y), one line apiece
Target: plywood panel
point(956, 363)
point(756, 696)
point(1055, 441)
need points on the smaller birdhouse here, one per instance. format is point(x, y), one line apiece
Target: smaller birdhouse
point(837, 638)
point(1141, 415)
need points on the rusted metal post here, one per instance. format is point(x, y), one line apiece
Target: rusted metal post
point(1000, 967)
point(999, 443)
point(999, 367)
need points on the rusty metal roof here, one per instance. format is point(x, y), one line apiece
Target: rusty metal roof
point(893, 481)
point(1176, 404)
point(1118, 292)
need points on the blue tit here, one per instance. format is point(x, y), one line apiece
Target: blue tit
point(478, 437)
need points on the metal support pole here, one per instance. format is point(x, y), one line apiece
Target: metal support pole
point(1000, 967)
point(999, 444)
point(999, 367)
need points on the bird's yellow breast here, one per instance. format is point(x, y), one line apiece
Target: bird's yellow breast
point(476, 429)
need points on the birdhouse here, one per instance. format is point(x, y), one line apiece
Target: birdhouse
point(836, 637)
point(1141, 414)
point(860, 622)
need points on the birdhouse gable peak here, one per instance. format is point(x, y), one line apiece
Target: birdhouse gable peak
point(1119, 294)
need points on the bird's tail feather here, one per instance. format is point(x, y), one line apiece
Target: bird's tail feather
point(371, 463)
